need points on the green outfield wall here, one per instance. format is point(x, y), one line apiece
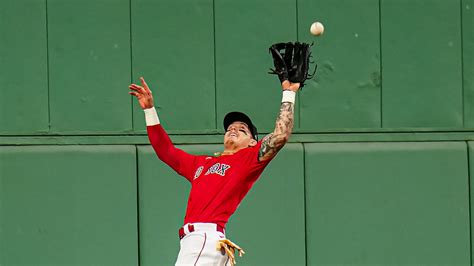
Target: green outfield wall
point(377, 171)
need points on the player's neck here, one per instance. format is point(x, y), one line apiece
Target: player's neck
point(230, 151)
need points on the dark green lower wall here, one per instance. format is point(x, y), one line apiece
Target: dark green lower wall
point(385, 203)
point(68, 205)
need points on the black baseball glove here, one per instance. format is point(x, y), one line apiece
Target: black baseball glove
point(291, 61)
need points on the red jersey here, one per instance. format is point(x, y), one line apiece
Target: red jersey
point(218, 184)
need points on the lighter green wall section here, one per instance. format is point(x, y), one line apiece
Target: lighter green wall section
point(468, 61)
point(23, 67)
point(173, 48)
point(71, 62)
point(422, 64)
point(346, 94)
point(89, 60)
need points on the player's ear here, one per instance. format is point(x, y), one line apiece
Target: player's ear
point(252, 143)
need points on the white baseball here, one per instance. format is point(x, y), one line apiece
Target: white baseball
point(317, 28)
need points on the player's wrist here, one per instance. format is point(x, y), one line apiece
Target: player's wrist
point(288, 96)
point(151, 117)
point(285, 84)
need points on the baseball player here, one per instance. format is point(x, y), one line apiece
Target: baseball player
point(219, 183)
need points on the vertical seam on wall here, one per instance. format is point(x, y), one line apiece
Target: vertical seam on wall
point(47, 66)
point(304, 206)
point(380, 63)
point(469, 201)
point(131, 60)
point(296, 13)
point(137, 171)
point(462, 63)
point(215, 64)
point(297, 38)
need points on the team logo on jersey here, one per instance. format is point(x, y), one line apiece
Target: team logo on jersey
point(198, 172)
point(218, 168)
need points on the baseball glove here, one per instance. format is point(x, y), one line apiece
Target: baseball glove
point(291, 61)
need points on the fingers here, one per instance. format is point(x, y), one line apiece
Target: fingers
point(232, 244)
point(133, 93)
point(142, 80)
point(137, 90)
point(145, 85)
point(229, 248)
point(144, 89)
point(230, 254)
point(241, 252)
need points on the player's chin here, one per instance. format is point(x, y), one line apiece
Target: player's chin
point(228, 141)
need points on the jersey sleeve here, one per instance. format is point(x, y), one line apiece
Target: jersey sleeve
point(256, 166)
point(180, 161)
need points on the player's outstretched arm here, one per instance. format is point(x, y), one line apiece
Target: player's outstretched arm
point(274, 141)
point(159, 139)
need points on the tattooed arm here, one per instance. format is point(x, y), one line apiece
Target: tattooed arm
point(274, 141)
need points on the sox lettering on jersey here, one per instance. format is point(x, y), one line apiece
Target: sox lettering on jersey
point(217, 168)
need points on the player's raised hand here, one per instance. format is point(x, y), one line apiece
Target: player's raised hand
point(287, 85)
point(143, 94)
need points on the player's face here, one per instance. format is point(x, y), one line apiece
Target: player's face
point(238, 136)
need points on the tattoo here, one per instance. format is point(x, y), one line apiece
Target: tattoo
point(274, 141)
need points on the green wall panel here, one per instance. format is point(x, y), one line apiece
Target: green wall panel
point(89, 58)
point(244, 32)
point(173, 48)
point(72, 205)
point(23, 67)
point(163, 196)
point(387, 204)
point(346, 91)
point(421, 59)
point(468, 61)
point(269, 224)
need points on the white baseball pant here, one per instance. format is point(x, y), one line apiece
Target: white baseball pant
point(199, 247)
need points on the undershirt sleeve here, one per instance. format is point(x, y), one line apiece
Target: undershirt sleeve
point(179, 160)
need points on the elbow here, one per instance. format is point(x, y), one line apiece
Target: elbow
point(164, 153)
point(281, 139)
point(160, 150)
point(160, 155)
point(285, 138)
